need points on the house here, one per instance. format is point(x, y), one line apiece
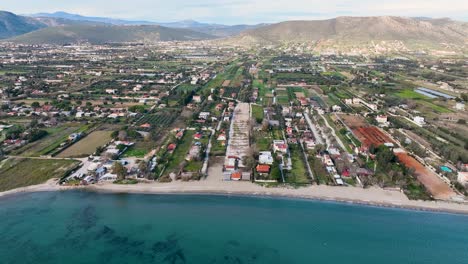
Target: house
point(381, 119)
point(236, 176)
point(198, 136)
point(463, 177)
point(219, 107)
point(171, 147)
point(204, 115)
point(265, 157)
point(111, 91)
point(221, 137)
point(289, 131)
point(179, 134)
point(108, 177)
point(280, 146)
point(197, 99)
point(74, 137)
point(336, 108)
point(420, 121)
point(263, 169)
point(194, 153)
point(460, 106)
point(146, 125)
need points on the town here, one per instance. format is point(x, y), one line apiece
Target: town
point(195, 112)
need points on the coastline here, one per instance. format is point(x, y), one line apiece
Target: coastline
point(350, 195)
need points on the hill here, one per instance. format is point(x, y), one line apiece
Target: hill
point(76, 17)
point(98, 34)
point(12, 25)
point(354, 31)
point(218, 30)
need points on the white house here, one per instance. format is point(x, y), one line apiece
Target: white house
point(265, 158)
point(419, 120)
point(460, 106)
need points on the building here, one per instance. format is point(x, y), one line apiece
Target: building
point(280, 146)
point(420, 121)
point(263, 169)
point(381, 119)
point(460, 106)
point(463, 177)
point(265, 157)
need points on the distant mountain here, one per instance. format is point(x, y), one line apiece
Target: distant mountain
point(106, 20)
point(12, 25)
point(99, 34)
point(355, 31)
point(207, 28)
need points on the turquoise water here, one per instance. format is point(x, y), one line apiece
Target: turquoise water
point(86, 227)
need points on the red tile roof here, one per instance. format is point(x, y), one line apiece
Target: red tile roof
point(263, 168)
point(236, 175)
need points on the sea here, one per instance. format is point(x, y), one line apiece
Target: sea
point(91, 227)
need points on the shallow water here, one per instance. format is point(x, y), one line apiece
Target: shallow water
point(87, 227)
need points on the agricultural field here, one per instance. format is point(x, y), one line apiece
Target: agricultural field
point(87, 145)
point(158, 120)
point(410, 94)
point(16, 173)
point(55, 137)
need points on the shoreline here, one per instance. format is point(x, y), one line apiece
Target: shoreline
point(357, 196)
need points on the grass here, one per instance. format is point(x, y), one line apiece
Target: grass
point(135, 152)
point(194, 166)
point(298, 174)
point(55, 137)
point(178, 156)
point(87, 145)
point(410, 94)
point(17, 173)
point(257, 113)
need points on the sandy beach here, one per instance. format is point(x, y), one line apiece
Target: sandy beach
point(372, 196)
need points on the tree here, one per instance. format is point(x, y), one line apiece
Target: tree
point(143, 168)
point(120, 170)
point(35, 105)
point(248, 161)
point(123, 135)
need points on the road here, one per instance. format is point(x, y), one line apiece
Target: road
point(333, 133)
point(314, 130)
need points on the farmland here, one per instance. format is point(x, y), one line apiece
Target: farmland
point(371, 136)
point(87, 145)
point(16, 173)
point(158, 120)
point(55, 137)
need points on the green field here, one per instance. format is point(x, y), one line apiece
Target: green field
point(298, 174)
point(183, 146)
point(257, 113)
point(410, 94)
point(16, 173)
point(55, 137)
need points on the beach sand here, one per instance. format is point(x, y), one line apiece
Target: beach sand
point(371, 196)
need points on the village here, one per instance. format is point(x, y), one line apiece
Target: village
point(182, 112)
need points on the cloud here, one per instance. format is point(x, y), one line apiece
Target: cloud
point(242, 11)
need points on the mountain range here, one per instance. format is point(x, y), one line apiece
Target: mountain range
point(355, 31)
point(217, 30)
point(340, 33)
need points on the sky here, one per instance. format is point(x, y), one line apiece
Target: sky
point(241, 11)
